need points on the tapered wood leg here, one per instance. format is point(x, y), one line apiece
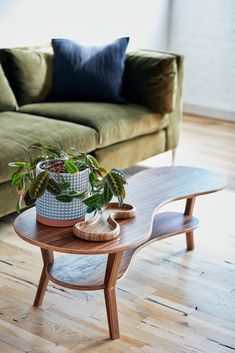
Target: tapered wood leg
point(112, 314)
point(47, 257)
point(188, 212)
point(190, 241)
point(41, 288)
point(112, 270)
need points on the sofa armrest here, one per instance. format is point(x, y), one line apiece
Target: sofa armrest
point(173, 129)
point(150, 79)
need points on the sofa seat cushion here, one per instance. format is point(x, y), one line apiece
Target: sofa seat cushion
point(18, 131)
point(113, 122)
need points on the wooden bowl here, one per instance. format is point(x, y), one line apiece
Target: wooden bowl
point(102, 226)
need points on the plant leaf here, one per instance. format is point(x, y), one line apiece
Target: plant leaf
point(64, 155)
point(64, 185)
point(114, 184)
point(120, 174)
point(64, 198)
point(53, 187)
point(102, 171)
point(18, 208)
point(123, 193)
point(55, 151)
point(90, 209)
point(93, 178)
point(39, 185)
point(17, 172)
point(28, 199)
point(35, 146)
point(107, 194)
point(18, 164)
point(77, 195)
point(93, 200)
point(35, 162)
point(70, 167)
point(119, 180)
point(17, 179)
point(93, 161)
point(75, 149)
point(120, 200)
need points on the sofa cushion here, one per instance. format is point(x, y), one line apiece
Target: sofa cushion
point(7, 98)
point(150, 79)
point(29, 73)
point(127, 153)
point(19, 130)
point(113, 122)
point(88, 73)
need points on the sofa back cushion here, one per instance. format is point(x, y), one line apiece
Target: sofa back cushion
point(29, 73)
point(7, 97)
point(150, 79)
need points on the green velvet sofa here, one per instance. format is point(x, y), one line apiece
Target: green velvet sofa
point(118, 135)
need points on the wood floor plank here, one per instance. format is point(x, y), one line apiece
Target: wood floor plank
point(171, 300)
point(26, 341)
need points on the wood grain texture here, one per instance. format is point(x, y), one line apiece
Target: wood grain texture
point(189, 211)
point(102, 226)
point(111, 274)
point(88, 272)
point(79, 272)
point(148, 191)
point(48, 258)
point(184, 301)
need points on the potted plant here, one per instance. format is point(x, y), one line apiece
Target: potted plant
point(65, 185)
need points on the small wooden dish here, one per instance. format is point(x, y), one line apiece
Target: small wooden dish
point(102, 226)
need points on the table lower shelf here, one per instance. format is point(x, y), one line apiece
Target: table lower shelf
point(87, 272)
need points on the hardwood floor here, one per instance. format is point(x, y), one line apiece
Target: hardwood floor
point(171, 301)
point(204, 143)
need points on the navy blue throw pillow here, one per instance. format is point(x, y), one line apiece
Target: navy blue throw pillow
point(88, 73)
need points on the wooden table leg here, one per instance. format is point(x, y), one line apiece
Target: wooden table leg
point(188, 212)
point(48, 258)
point(112, 270)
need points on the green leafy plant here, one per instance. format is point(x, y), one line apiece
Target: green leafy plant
point(31, 186)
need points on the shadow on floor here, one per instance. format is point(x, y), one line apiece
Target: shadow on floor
point(134, 170)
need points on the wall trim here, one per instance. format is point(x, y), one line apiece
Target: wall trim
point(209, 112)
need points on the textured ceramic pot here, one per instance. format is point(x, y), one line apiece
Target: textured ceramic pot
point(63, 214)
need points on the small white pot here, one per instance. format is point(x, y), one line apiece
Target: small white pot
point(63, 214)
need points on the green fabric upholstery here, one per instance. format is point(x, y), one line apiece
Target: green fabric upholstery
point(19, 130)
point(121, 155)
point(8, 197)
point(113, 122)
point(7, 98)
point(118, 135)
point(29, 73)
point(127, 153)
point(149, 79)
point(173, 129)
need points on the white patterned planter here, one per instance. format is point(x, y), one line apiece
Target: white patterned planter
point(63, 214)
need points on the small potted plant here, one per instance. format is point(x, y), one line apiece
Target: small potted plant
point(65, 186)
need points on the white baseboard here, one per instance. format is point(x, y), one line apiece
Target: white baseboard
point(209, 112)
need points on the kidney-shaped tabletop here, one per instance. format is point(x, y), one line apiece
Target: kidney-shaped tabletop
point(147, 191)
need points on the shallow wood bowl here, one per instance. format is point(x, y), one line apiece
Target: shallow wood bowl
point(102, 226)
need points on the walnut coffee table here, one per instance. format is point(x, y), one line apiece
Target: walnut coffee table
point(98, 265)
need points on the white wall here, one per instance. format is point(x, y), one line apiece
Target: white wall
point(30, 22)
point(204, 30)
